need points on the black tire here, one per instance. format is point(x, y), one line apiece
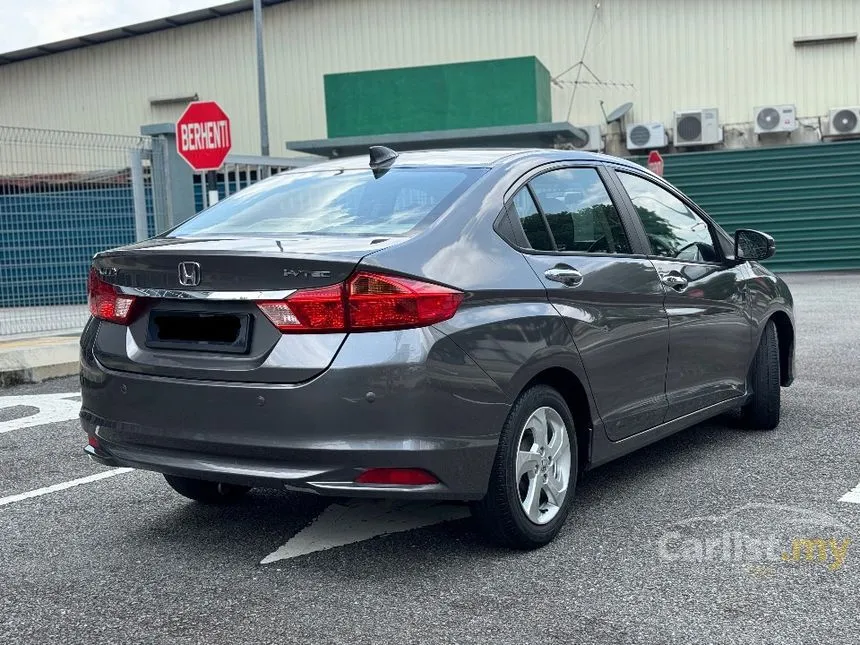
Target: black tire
point(206, 492)
point(761, 412)
point(500, 514)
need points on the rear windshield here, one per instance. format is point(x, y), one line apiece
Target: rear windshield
point(334, 202)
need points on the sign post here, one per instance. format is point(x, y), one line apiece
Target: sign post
point(204, 139)
point(655, 163)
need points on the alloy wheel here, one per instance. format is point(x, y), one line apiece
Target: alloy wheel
point(543, 465)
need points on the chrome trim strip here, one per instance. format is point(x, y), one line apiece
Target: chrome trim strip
point(176, 294)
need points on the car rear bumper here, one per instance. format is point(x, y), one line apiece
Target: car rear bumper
point(403, 399)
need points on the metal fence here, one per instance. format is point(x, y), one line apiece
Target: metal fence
point(64, 196)
point(240, 171)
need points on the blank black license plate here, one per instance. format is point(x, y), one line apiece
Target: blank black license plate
point(197, 331)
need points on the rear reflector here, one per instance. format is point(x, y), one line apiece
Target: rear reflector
point(106, 302)
point(92, 441)
point(397, 476)
point(366, 302)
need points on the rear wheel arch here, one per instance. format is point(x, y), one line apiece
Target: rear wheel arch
point(574, 394)
point(785, 338)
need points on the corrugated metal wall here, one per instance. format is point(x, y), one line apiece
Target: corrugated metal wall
point(807, 197)
point(660, 54)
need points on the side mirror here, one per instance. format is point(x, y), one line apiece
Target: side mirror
point(753, 245)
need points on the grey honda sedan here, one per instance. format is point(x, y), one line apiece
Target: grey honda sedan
point(474, 325)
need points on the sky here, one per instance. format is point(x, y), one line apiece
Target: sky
point(24, 23)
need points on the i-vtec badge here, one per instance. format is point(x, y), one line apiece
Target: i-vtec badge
point(297, 273)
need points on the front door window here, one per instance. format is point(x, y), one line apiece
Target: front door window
point(673, 230)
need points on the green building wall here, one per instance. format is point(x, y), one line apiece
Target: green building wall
point(509, 91)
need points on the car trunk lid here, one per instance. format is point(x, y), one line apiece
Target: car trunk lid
point(236, 264)
point(195, 313)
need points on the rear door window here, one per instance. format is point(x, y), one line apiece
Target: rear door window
point(579, 211)
point(335, 202)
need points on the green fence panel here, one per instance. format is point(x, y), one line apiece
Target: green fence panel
point(806, 196)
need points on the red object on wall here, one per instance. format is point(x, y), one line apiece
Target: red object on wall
point(655, 163)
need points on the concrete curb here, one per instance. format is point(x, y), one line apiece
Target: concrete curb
point(35, 359)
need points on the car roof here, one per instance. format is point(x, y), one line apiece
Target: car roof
point(474, 157)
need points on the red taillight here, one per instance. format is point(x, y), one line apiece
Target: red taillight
point(106, 302)
point(383, 302)
point(308, 310)
point(396, 476)
point(366, 302)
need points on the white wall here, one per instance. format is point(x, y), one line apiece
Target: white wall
point(732, 54)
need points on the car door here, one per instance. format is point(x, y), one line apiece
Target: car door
point(710, 334)
point(609, 295)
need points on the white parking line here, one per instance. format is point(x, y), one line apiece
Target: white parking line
point(53, 408)
point(852, 496)
point(359, 520)
point(63, 486)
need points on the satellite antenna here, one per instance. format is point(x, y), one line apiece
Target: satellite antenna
point(617, 114)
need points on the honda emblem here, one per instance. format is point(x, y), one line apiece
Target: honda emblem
point(189, 274)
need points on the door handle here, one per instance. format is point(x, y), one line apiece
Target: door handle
point(676, 282)
point(568, 276)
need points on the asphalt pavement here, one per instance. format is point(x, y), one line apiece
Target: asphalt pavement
point(714, 535)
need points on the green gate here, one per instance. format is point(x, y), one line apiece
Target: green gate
point(806, 196)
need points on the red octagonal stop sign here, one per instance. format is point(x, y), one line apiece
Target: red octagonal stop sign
point(655, 162)
point(203, 135)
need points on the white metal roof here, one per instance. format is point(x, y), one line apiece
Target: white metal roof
point(129, 31)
